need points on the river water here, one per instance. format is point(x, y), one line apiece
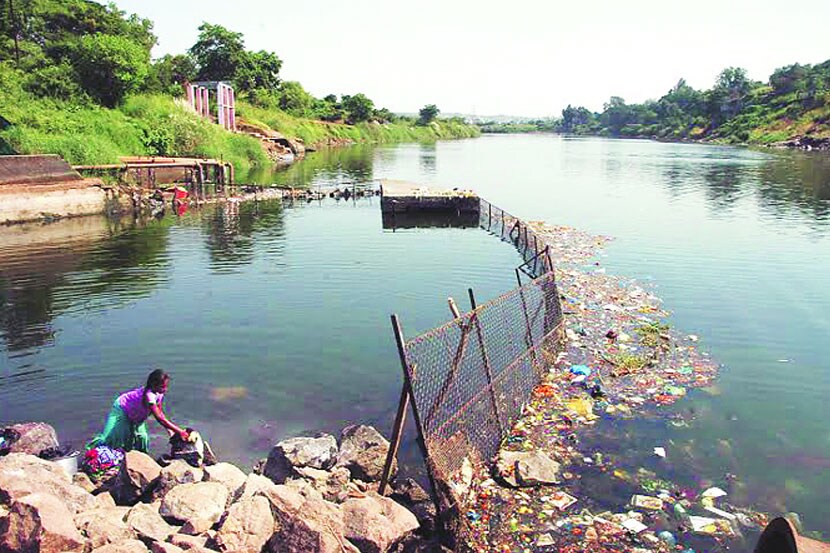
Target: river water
point(274, 321)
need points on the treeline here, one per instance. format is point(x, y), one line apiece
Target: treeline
point(77, 79)
point(794, 102)
point(84, 50)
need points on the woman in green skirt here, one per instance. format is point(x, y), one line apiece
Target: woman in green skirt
point(126, 426)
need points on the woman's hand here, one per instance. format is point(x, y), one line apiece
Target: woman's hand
point(184, 435)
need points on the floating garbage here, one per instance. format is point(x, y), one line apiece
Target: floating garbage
point(619, 359)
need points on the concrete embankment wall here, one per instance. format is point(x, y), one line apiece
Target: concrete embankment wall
point(43, 186)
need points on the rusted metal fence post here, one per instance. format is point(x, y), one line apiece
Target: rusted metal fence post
point(421, 439)
point(395, 442)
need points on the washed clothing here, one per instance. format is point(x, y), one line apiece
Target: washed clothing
point(134, 406)
point(120, 432)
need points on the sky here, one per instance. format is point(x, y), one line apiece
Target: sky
point(521, 58)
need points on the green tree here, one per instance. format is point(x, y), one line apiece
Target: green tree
point(169, 73)
point(427, 114)
point(574, 118)
point(384, 115)
point(109, 66)
point(358, 108)
point(258, 71)
point(218, 53)
point(293, 98)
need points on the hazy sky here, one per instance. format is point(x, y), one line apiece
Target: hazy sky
point(520, 57)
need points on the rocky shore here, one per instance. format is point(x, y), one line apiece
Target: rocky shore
point(310, 494)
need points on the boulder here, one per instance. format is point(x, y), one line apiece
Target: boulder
point(147, 523)
point(363, 451)
point(318, 453)
point(123, 546)
point(103, 526)
point(317, 526)
point(39, 523)
point(177, 472)
point(375, 523)
point(228, 475)
point(137, 476)
point(33, 437)
point(189, 543)
point(527, 468)
point(105, 500)
point(83, 481)
point(206, 500)
point(247, 526)
point(22, 474)
point(196, 526)
point(411, 495)
point(253, 484)
point(163, 547)
point(332, 485)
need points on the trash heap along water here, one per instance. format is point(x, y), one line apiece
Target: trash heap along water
point(553, 488)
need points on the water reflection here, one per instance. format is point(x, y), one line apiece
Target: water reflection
point(797, 181)
point(87, 263)
point(232, 229)
point(329, 166)
point(428, 158)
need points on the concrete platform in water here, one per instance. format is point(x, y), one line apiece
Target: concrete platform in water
point(406, 197)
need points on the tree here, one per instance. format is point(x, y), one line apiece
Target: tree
point(218, 53)
point(383, 115)
point(110, 66)
point(572, 118)
point(169, 73)
point(258, 71)
point(727, 96)
point(294, 99)
point(427, 114)
point(358, 108)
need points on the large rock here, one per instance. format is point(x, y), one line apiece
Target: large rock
point(204, 500)
point(333, 485)
point(103, 526)
point(177, 472)
point(363, 451)
point(527, 468)
point(123, 546)
point(147, 523)
point(189, 543)
point(228, 475)
point(33, 437)
point(162, 547)
point(317, 525)
point(375, 523)
point(318, 453)
point(247, 526)
point(254, 483)
point(138, 474)
point(39, 523)
point(22, 474)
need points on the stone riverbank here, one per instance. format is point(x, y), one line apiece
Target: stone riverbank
point(310, 494)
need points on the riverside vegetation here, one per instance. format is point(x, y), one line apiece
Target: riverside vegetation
point(76, 79)
point(791, 108)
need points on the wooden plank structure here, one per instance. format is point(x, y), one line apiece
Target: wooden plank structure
point(152, 171)
point(406, 197)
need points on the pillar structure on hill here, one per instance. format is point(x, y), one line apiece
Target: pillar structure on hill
point(198, 97)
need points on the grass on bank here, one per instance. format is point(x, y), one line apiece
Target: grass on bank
point(84, 133)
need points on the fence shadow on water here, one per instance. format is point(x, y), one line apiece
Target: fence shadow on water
point(470, 377)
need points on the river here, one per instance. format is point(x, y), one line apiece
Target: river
point(273, 320)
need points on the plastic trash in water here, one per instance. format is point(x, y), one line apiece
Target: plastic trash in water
point(660, 452)
point(579, 373)
point(668, 538)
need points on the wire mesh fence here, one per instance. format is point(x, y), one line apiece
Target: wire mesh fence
point(512, 229)
point(471, 376)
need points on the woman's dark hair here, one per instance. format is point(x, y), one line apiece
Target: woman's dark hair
point(156, 379)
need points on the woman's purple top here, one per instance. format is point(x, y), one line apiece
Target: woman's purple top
point(133, 404)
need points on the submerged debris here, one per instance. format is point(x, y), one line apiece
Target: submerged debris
point(620, 359)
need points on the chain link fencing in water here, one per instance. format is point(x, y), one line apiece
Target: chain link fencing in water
point(471, 377)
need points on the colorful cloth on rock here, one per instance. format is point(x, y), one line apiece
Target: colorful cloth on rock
point(102, 461)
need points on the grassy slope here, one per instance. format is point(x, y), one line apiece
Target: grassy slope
point(84, 133)
point(315, 132)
